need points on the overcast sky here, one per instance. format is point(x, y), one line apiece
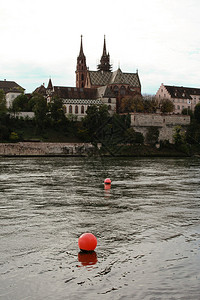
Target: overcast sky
point(41, 39)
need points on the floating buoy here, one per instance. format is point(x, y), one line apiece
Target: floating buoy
point(107, 181)
point(107, 186)
point(87, 259)
point(87, 242)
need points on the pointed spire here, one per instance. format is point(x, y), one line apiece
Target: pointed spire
point(50, 85)
point(81, 47)
point(105, 59)
point(104, 46)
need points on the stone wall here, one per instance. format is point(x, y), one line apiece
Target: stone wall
point(44, 149)
point(165, 123)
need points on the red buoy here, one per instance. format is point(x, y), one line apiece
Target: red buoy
point(87, 242)
point(107, 181)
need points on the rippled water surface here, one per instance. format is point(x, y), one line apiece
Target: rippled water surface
point(147, 226)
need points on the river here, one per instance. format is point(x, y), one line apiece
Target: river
point(147, 226)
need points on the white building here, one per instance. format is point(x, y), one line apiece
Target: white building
point(182, 97)
point(76, 100)
point(11, 90)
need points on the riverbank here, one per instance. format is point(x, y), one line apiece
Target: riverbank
point(87, 149)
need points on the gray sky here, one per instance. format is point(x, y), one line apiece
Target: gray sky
point(41, 38)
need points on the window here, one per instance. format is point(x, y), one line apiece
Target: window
point(70, 109)
point(122, 90)
point(109, 107)
point(82, 109)
point(161, 90)
point(76, 109)
point(178, 106)
point(109, 100)
point(116, 89)
point(65, 109)
point(82, 77)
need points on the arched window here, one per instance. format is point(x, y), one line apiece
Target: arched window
point(76, 109)
point(70, 109)
point(109, 107)
point(82, 109)
point(116, 89)
point(65, 109)
point(82, 77)
point(109, 100)
point(122, 90)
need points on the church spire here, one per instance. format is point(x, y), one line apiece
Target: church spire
point(105, 59)
point(81, 47)
point(104, 46)
point(81, 68)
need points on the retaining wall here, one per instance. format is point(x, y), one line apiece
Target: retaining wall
point(44, 149)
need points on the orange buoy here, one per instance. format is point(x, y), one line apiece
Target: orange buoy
point(107, 181)
point(87, 242)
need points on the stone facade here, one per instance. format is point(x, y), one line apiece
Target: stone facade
point(45, 149)
point(141, 122)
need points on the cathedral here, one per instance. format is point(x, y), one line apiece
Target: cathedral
point(102, 86)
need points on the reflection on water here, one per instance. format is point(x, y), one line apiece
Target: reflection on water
point(147, 225)
point(87, 258)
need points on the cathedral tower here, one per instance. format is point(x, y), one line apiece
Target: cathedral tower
point(81, 68)
point(105, 60)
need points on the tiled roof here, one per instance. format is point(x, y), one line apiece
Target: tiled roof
point(182, 92)
point(8, 86)
point(74, 93)
point(40, 90)
point(118, 77)
point(100, 77)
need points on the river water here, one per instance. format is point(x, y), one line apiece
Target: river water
point(147, 226)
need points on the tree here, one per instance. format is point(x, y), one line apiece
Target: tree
point(2, 102)
point(150, 103)
point(95, 122)
point(187, 111)
point(132, 104)
point(40, 109)
point(179, 135)
point(20, 103)
point(197, 112)
point(56, 110)
point(166, 106)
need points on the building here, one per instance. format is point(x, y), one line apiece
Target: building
point(11, 90)
point(182, 97)
point(120, 83)
point(76, 100)
point(94, 87)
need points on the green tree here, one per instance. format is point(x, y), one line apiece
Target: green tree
point(133, 137)
point(166, 106)
point(20, 103)
point(197, 112)
point(2, 101)
point(95, 122)
point(40, 109)
point(187, 111)
point(56, 110)
point(179, 135)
